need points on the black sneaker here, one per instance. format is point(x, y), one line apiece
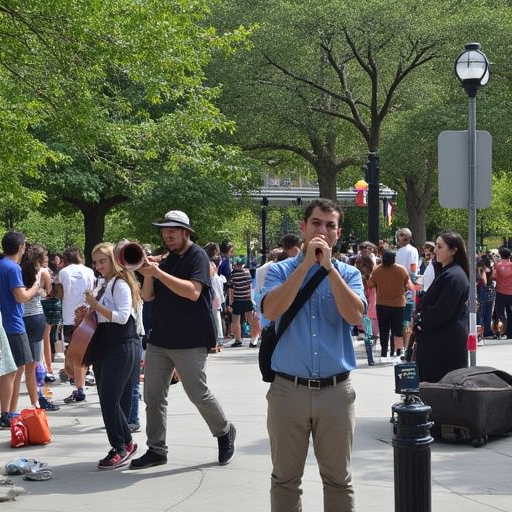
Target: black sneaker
point(47, 405)
point(77, 396)
point(236, 343)
point(50, 378)
point(227, 446)
point(148, 460)
point(5, 422)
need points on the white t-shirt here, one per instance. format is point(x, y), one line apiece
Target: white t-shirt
point(428, 276)
point(407, 256)
point(261, 272)
point(75, 279)
point(218, 291)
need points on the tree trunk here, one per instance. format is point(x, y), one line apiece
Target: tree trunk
point(94, 220)
point(418, 196)
point(327, 181)
point(94, 226)
point(417, 224)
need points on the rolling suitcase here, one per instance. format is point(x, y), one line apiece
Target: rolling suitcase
point(470, 404)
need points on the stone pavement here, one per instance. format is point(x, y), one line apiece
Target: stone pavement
point(463, 477)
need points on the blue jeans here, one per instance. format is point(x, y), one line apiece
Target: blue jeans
point(504, 310)
point(133, 417)
point(485, 309)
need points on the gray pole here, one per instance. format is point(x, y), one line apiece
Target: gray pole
point(372, 178)
point(472, 230)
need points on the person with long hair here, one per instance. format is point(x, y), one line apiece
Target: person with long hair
point(441, 320)
point(31, 264)
point(114, 351)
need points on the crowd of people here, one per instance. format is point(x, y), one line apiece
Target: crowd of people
point(413, 303)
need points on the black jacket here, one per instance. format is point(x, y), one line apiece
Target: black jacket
point(442, 325)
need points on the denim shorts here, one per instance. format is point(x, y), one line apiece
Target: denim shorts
point(35, 326)
point(20, 349)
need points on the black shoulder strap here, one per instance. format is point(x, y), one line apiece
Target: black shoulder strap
point(301, 298)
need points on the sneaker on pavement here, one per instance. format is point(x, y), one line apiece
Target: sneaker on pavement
point(131, 448)
point(47, 405)
point(134, 427)
point(90, 380)
point(148, 460)
point(236, 343)
point(227, 446)
point(5, 421)
point(113, 460)
point(78, 395)
point(49, 378)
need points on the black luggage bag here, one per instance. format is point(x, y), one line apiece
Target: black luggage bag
point(470, 404)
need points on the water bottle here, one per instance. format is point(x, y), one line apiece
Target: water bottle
point(40, 375)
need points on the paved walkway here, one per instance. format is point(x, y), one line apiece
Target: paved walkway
point(463, 477)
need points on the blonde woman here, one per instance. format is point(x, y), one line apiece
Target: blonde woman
point(114, 351)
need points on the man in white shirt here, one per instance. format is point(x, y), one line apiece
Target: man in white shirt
point(74, 280)
point(407, 256)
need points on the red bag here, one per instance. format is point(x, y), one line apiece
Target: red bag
point(36, 422)
point(19, 433)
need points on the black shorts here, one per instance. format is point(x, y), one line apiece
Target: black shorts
point(67, 330)
point(242, 306)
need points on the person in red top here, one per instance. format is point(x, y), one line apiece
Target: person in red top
point(503, 276)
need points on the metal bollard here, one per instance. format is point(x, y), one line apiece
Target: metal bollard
point(411, 452)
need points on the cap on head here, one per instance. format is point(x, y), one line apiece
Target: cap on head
point(239, 260)
point(174, 219)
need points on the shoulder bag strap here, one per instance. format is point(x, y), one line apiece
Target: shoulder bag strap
point(302, 296)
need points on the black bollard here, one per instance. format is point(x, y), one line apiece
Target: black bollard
point(411, 451)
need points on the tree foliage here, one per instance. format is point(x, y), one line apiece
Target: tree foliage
point(120, 94)
point(374, 75)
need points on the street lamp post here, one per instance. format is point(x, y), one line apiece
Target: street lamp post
point(264, 204)
point(372, 178)
point(472, 69)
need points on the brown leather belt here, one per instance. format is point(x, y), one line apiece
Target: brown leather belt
point(316, 383)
